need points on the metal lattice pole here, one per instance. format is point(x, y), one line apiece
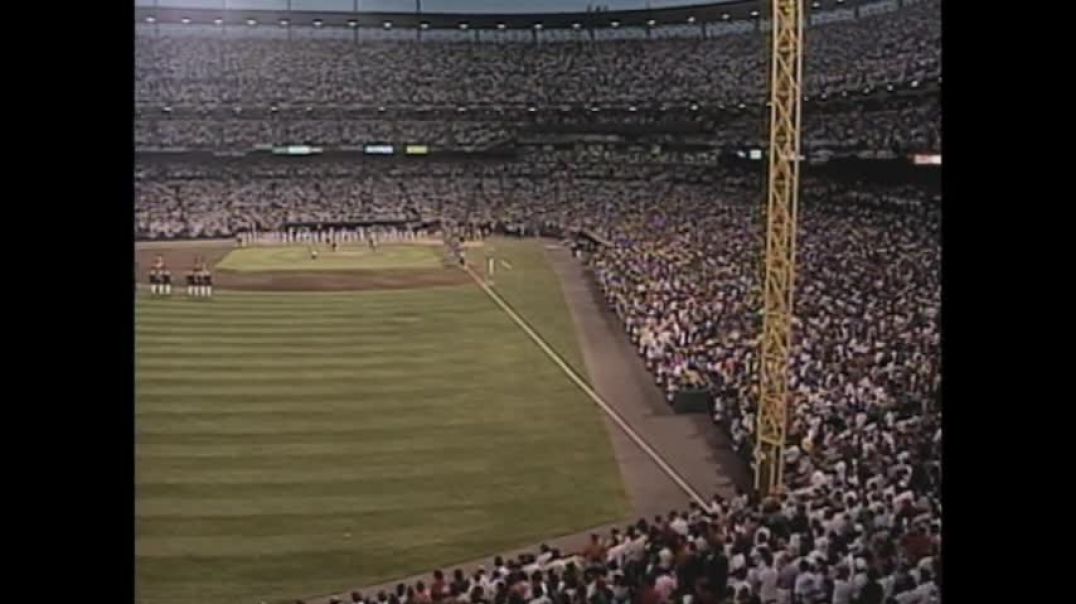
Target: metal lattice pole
point(779, 276)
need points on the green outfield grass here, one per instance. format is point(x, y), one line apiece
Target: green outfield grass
point(289, 445)
point(355, 257)
point(532, 288)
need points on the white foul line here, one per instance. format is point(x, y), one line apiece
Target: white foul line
point(581, 383)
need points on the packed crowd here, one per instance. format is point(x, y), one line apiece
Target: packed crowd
point(239, 69)
point(855, 541)
point(896, 124)
point(861, 521)
point(192, 132)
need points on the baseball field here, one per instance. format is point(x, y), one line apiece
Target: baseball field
point(297, 443)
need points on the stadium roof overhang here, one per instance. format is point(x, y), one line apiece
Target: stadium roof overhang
point(704, 13)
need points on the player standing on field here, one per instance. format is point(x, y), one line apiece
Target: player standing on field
point(166, 281)
point(192, 280)
point(154, 280)
point(156, 277)
point(207, 281)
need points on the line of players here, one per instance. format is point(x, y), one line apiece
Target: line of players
point(199, 279)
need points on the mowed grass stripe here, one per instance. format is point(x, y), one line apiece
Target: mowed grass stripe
point(223, 394)
point(344, 480)
point(171, 404)
point(377, 444)
point(349, 407)
point(300, 330)
point(283, 362)
point(346, 347)
point(241, 482)
point(388, 312)
point(396, 371)
point(248, 434)
point(460, 409)
point(448, 497)
point(232, 302)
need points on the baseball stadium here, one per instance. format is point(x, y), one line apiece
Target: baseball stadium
point(555, 302)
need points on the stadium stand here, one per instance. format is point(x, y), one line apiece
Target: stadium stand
point(861, 521)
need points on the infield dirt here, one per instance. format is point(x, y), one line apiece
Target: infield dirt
point(181, 257)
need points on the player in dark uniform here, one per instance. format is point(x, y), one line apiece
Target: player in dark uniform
point(207, 282)
point(156, 276)
point(154, 281)
point(193, 280)
point(166, 281)
point(335, 245)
